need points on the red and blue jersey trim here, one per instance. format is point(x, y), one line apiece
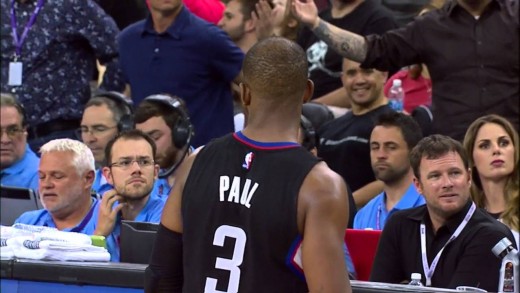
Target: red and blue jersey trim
point(294, 258)
point(264, 145)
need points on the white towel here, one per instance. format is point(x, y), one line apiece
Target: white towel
point(60, 255)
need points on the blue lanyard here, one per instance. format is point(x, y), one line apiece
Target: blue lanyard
point(18, 41)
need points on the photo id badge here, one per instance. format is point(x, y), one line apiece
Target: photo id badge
point(15, 73)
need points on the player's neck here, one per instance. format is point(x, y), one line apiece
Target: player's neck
point(271, 133)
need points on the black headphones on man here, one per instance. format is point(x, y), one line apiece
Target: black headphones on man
point(124, 105)
point(182, 131)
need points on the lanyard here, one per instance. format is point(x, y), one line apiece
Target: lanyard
point(378, 216)
point(429, 270)
point(86, 219)
point(18, 41)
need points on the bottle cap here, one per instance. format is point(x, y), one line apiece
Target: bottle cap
point(397, 82)
point(416, 276)
point(501, 246)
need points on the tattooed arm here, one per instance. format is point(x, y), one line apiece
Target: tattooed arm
point(347, 44)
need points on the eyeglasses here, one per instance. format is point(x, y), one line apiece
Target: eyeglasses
point(94, 130)
point(128, 162)
point(12, 131)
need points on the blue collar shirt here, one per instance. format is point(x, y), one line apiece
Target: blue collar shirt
point(43, 218)
point(23, 173)
point(374, 214)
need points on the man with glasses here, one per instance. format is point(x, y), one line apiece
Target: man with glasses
point(18, 163)
point(99, 125)
point(131, 170)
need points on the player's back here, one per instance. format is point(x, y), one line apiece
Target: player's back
point(239, 213)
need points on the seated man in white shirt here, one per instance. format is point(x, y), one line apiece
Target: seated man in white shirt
point(391, 140)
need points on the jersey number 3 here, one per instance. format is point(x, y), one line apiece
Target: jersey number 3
point(231, 265)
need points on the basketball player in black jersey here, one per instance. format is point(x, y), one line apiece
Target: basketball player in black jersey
point(254, 211)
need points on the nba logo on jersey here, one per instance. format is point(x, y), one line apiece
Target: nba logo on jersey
point(248, 160)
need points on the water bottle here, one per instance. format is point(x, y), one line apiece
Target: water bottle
point(396, 96)
point(416, 280)
point(509, 281)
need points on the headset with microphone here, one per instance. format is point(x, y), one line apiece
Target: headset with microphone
point(182, 131)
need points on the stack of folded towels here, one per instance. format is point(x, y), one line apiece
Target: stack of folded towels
point(44, 243)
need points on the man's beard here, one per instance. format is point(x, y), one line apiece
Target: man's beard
point(169, 159)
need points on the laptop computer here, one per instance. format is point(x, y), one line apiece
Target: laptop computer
point(136, 241)
point(15, 201)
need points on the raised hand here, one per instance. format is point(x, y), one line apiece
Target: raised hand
point(263, 18)
point(107, 215)
point(306, 12)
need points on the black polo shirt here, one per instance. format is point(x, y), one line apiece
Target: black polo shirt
point(466, 261)
point(473, 63)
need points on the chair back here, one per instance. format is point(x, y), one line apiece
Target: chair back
point(362, 246)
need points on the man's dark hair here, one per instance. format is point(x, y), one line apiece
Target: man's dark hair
point(133, 134)
point(434, 147)
point(148, 109)
point(410, 130)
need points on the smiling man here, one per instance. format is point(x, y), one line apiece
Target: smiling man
point(18, 163)
point(131, 170)
point(344, 142)
point(448, 240)
point(66, 173)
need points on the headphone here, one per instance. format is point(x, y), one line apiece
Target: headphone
point(309, 134)
point(124, 105)
point(182, 131)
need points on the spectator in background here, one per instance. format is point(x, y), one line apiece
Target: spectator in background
point(238, 24)
point(492, 145)
point(50, 66)
point(165, 119)
point(66, 173)
point(174, 52)
point(361, 16)
point(106, 114)
point(344, 142)
point(131, 170)
point(392, 139)
point(448, 240)
point(466, 83)
point(18, 163)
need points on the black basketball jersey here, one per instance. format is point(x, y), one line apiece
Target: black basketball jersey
point(239, 209)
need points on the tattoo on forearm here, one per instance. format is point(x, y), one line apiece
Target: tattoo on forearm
point(347, 44)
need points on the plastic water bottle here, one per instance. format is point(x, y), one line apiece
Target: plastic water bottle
point(509, 269)
point(396, 96)
point(416, 280)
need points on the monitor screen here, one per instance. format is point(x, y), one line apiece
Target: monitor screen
point(14, 201)
point(136, 241)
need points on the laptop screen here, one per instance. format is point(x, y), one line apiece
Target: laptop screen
point(15, 201)
point(136, 241)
